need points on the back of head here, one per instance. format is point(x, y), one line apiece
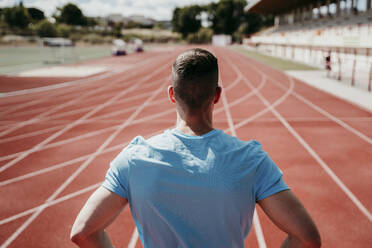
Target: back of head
point(195, 77)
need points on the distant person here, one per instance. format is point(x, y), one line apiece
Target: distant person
point(328, 63)
point(193, 186)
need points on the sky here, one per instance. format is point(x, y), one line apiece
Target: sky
point(156, 9)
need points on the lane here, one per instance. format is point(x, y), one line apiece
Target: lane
point(258, 122)
point(83, 165)
point(348, 213)
point(50, 185)
point(73, 150)
point(77, 121)
point(344, 149)
point(12, 104)
point(59, 104)
point(256, 220)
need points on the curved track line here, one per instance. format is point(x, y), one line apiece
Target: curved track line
point(62, 123)
point(316, 107)
point(76, 122)
point(104, 96)
point(90, 134)
point(317, 158)
point(81, 167)
point(72, 83)
point(62, 142)
point(68, 103)
point(71, 195)
point(256, 220)
point(82, 136)
point(49, 204)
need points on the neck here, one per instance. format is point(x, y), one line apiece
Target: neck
point(195, 124)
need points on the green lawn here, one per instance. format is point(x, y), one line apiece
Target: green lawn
point(281, 64)
point(16, 59)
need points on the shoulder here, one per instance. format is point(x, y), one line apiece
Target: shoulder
point(251, 148)
point(135, 146)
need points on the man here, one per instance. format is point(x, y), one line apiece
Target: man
point(193, 186)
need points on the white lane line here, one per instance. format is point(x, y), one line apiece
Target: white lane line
point(89, 108)
point(70, 102)
point(48, 204)
point(56, 108)
point(99, 119)
point(144, 119)
point(10, 156)
point(317, 158)
point(133, 239)
point(71, 195)
point(334, 118)
point(76, 122)
point(83, 136)
point(78, 159)
point(82, 167)
point(75, 82)
point(317, 108)
point(57, 86)
point(31, 134)
point(58, 94)
point(256, 222)
point(102, 96)
point(266, 109)
point(258, 229)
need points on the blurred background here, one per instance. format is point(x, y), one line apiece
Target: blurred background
point(335, 35)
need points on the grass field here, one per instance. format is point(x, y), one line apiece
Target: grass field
point(281, 64)
point(16, 59)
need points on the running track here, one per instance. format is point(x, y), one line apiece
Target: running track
point(55, 146)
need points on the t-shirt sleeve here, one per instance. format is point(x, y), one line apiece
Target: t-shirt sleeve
point(116, 179)
point(268, 178)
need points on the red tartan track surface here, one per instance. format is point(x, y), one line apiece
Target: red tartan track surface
point(56, 145)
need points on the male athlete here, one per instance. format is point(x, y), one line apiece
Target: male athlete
point(193, 186)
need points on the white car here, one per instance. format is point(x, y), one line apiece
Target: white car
point(119, 47)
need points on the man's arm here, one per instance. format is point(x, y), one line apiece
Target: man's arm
point(99, 211)
point(287, 212)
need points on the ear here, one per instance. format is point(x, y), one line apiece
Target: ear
point(171, 94)
point(218, 95)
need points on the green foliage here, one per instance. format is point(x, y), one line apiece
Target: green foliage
point(46, 29)
point(186, 20)
point(203, 36)
point(91, 21)
point(16, 16)
point(71, 14)
point(36, 15)
point(117, 30)
point(227, 15)
point(63, 30)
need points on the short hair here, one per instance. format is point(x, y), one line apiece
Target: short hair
point(195, 77)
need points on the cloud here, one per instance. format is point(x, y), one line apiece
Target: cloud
point(157, 9)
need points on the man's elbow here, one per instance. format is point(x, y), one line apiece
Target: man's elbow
point(313, 240)
point(76, 238)
point(77, 235)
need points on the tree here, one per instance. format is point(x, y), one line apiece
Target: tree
point(16, 16)
point(36, 15)
point(71, 14)
point(226, 15)
point(46, 29)
point(186, 20)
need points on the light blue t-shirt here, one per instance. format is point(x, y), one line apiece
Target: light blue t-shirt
point(193, 191)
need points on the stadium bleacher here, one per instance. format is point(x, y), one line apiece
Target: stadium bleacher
point(308, 31)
